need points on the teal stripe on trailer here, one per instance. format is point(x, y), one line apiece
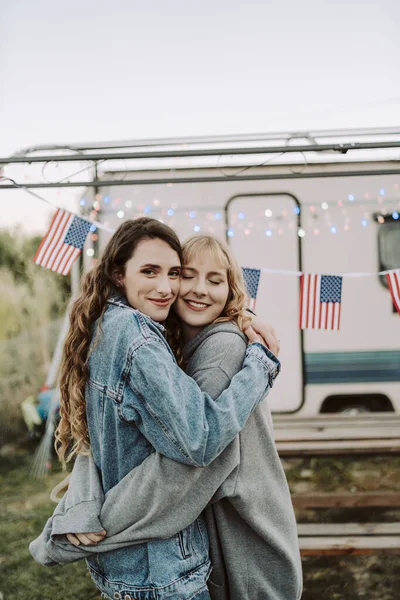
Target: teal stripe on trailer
point(352, 367)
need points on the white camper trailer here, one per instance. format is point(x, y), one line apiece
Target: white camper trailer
point(327, 212)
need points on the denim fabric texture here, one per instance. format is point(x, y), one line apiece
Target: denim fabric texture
point(138, 400)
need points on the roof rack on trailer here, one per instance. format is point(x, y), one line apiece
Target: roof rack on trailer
point(176, 156)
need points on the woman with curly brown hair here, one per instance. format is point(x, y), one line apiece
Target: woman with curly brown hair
point(124, 398)
point(243, 492)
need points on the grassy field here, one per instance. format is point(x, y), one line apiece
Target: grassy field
point(25, 506)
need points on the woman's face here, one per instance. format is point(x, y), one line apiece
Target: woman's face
point(152, 278)
point(203, 293)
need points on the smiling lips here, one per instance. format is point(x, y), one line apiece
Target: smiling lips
point(196, 306)
point(161, 303)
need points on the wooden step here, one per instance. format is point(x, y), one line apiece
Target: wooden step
point(327, 447)
point(344, 545)
point(348, 529)
point(347, 500)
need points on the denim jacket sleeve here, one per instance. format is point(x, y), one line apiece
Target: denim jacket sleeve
point(180, 420)
point(148, 502)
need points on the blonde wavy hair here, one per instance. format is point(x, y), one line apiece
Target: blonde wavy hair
point(72, 435)
point(238, 300)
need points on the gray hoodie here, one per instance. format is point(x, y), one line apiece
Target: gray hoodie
point(249, 514)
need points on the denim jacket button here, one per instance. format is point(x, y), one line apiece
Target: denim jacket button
point(117, 596)
point(128, 597)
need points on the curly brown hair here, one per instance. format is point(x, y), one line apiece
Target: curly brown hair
point(72, 436)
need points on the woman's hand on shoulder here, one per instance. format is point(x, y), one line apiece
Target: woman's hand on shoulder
point(258, 331)
point(87, 539)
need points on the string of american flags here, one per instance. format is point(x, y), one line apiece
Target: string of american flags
point(320, 295)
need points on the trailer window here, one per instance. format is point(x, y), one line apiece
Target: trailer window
point(389, 246)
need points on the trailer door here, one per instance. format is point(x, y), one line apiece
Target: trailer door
point(263, 233)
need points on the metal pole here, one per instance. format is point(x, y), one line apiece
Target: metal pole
point(209, 179)
point(183, 152)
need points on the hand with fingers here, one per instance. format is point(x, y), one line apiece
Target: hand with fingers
point(87, 539)
point(258, 331)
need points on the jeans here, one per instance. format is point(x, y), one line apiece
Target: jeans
point(202, 595)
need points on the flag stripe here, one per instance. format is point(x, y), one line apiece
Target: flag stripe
point(44, 241)
point(316, 299)
point(332, 321)
point(47, 259)
point(49, 236)
point(67, 252)
point(335, 324)
point(396, 286)
point(393, 279)
point(311, 307)
point(305, 305)
point(57, 255)
point(301, 300)
point(313, 298)
point(309, 304)
point(339, 315)
point(322, 317)
point(71, 260)
point(64, 257)
point(60, 247)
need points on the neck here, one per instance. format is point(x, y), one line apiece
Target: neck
point(189, 331)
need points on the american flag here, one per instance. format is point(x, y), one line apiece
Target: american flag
point(63, 242)
point(320, 301)
point(251, 279)
point(393, 279)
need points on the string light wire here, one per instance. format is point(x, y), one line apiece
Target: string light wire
point(263, 269)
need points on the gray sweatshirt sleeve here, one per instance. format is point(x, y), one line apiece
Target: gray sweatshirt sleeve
point(159, 497)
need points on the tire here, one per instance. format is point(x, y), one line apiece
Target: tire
point(356, 409)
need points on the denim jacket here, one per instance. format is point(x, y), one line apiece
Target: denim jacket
point(139, 401)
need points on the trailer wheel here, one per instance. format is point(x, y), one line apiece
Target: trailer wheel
point(357, 409)
point(356, 404)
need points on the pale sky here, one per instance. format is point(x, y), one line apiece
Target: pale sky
point(94, 70)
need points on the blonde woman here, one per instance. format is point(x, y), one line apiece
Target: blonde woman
point(243, 492)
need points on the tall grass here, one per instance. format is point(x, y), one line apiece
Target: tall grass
point(30, 319)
